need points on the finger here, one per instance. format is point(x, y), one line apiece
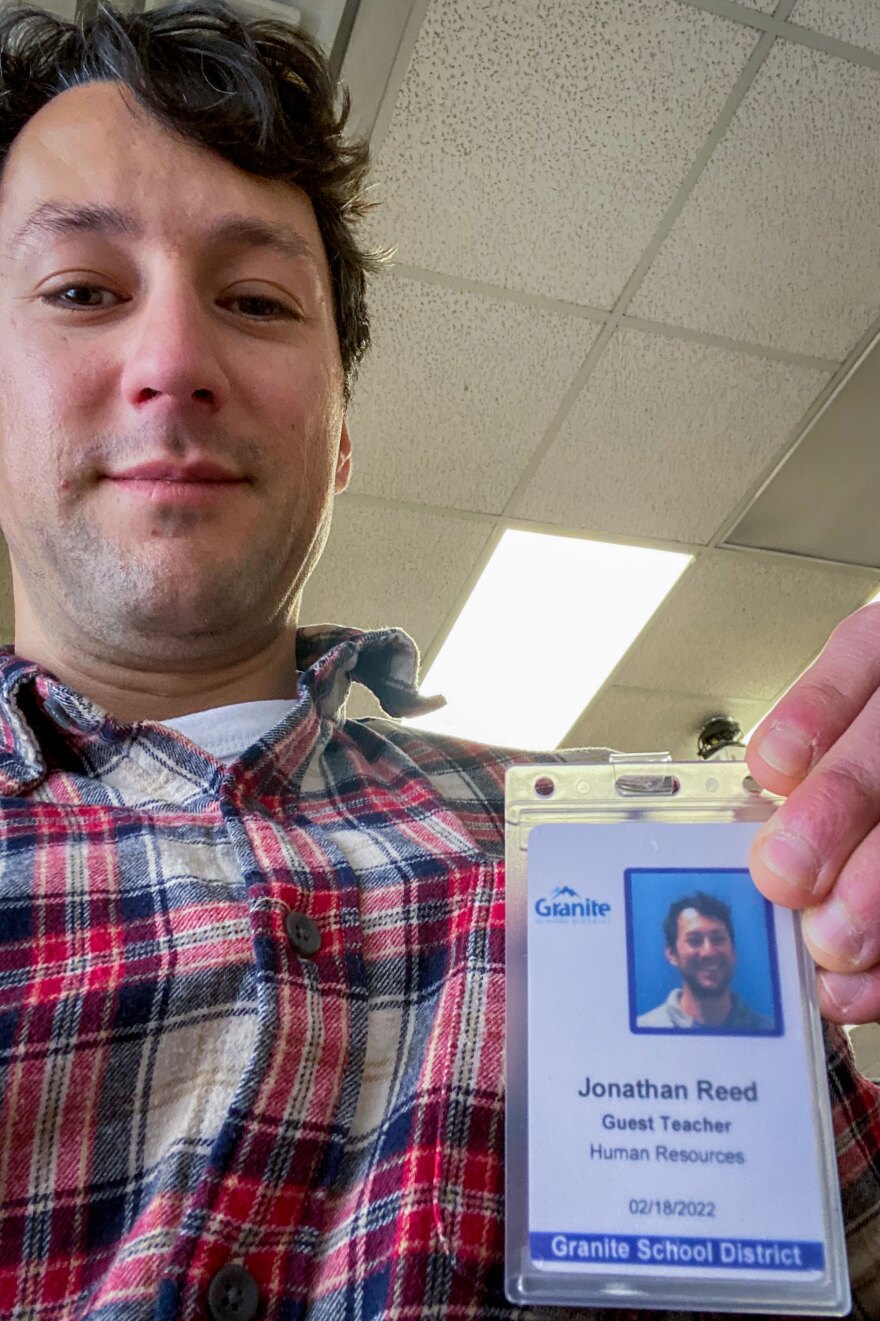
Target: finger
point(843, 933)
point(796, 858)
point(849, 997)
point(819, 706)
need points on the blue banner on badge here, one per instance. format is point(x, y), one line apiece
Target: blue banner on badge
point(667, 1250)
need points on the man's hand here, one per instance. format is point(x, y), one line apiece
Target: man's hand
point(820, 746)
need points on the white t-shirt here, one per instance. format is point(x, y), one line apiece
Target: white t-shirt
point(225, 731)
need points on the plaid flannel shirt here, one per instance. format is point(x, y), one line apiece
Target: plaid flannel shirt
point(181, 1089)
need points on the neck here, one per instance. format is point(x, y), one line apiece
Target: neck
point(132, 691)
point(712, 1010)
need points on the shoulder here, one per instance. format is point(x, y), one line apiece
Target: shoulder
point(467, 775)
point(659, 1017)
point(747, 1019)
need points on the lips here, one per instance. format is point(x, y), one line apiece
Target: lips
point(162, 471)
point(165, 484)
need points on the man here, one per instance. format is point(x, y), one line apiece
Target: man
point(251, 970)
point(698, 930)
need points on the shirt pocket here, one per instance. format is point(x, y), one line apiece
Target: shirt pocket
point(468, 1193)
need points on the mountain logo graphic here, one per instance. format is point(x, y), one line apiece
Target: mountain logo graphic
point(567, 905)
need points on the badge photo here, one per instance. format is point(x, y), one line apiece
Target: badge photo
point(701, 953)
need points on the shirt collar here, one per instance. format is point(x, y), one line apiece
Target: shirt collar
point(386, 661)
point(683, 1019)
point(34, 703)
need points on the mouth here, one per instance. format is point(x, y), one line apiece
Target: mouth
point(176, 483)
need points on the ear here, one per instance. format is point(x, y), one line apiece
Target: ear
point(672, 956)
point(343, 459)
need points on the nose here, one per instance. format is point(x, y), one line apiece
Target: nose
point(172, 352)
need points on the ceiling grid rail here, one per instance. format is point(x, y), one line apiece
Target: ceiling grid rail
point(558, 306)
point(778, 25)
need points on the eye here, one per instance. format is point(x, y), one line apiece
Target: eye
point(281, 308)
point(58, 299)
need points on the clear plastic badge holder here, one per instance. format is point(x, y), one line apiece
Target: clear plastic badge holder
point(669, 1138)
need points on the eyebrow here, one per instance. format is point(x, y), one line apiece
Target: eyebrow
point(54, 219)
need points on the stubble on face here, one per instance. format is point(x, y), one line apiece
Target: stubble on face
point(134, 599)
point(162, 584)
point(133, 595)
point(706, 968)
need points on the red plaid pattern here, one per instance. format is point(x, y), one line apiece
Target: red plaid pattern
point(182, 1090)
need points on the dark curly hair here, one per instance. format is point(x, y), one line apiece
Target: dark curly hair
point(707, 905)
point(256, 92)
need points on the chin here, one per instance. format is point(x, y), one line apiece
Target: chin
point(159, 599)
point(161, 618)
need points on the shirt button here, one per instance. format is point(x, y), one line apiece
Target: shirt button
point(303, 933)
point(233, 1295)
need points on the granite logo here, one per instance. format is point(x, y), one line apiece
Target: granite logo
point(566, 905)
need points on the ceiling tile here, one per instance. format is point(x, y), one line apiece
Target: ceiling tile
point(448, 409)
point(535, 144)
point(822, 501)
point(655, 720)
point(856, 21)
point(666, 437)
point(742, 624)
point(778, 242)
point(766, 6)
point(392, 568)
point(865, 1041)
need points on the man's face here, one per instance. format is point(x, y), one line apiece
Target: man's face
point(703, 954)
point(155, 345)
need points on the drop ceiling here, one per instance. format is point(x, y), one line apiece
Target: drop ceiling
point(636, 264)
point(635, 259)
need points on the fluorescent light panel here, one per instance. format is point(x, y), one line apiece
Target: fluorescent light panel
point(546, 623)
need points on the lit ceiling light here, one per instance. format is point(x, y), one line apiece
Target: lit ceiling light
point(546, 623)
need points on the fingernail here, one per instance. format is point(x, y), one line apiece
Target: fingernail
point(790, 858)
point(843, 989)
point(835, 928)
point(787, 749)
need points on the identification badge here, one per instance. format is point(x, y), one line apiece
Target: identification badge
point(669, 1138)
